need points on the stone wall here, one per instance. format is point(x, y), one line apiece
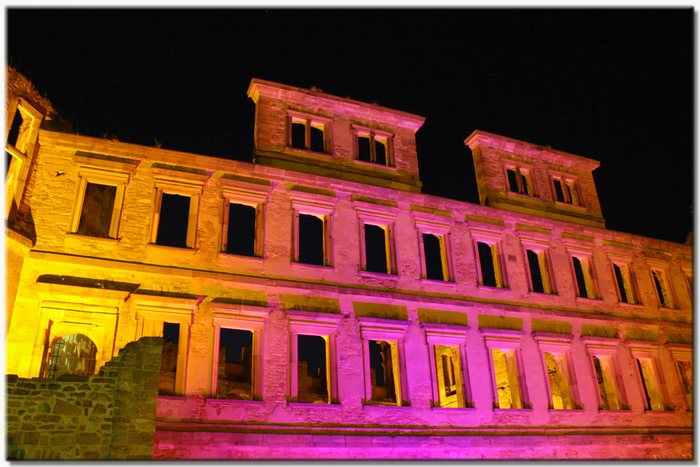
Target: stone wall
point(106, 416)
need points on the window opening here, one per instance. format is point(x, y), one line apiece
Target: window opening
point(168, 358)
point(605, 374)
point(363, 149)
point(653, 400)
point(240, 239)
point(685, 368)
point(74, 354)
point(380, 152)
point(449, 377)
point(174, 218)
point(96, 213)
point(307, 134)
point(625, 287)
point(235, 372)
point(533, 260)
point(519, 181)
point(311, 239)
point(17, 122)
point(316, 136)
point(584, 280)
point(662, 290)
point(383, 359)
point(559, 381)
point(376, 251)
point(507, 380)
point(433, 251)
point(372, 148)
point(312, 369)
point(299, 135)
point(565, 191)
point(489, 265)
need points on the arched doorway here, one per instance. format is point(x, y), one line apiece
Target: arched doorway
point(72, 354)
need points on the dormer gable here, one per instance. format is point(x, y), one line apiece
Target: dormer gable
point(532, 179)
point(307, 130)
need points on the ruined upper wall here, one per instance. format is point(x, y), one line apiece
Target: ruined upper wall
point(18, 85)
point(343, 138)
point(533, 179)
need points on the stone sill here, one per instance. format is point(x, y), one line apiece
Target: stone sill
point(375, 165)
point(73, 237)
point(493, 289)
point(590, 301)
point(169, 248)
point(465, 410)
point(307, 152)
point(378, 275)
point(314, 267)
point(449, 283)
point(313, 406)
point(380, 407)
point(230, 402)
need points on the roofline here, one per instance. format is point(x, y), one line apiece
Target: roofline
point(477, 136)
point(257, 83)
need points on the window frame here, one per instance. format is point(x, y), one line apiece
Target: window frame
point(22, 153)
point(506, 341)
point(181, 184)
point(378, 329)
point(683, 353)
point(451, 336)
point(385, 218)
point(662, 270)
point(246, 196)
point(439, 227)
point(374, 135)
point(494, 241)
point(541, 250)
point(309, 121)
point(321, 207)
point(629, 283)
point(521, 172)
point(100, 176)
point(242, 318)
point(589, 280)
point(571, 195)
point(559, 344)
point(323, 325)
point(607, 348)
point(647, 351)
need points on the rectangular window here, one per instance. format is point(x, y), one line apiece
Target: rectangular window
point(173, 220)
point(372, 147)
point(625, 286)
point(377, 249)
point(507, 379)
point(313, 383)
point(663, 292)
point(235, 364)
point(584, 278)
point(434, 257)
point(559, 380)
point(241, 230)
point(653, 399)
point(565, 191)
point(519, 181)
point(384, 372)
point(685, 370)
point(169, 359)
point(448, 368)
point(607, 389)
point(539, 271)
point(96, 213)
point(308, 133)
point(489, 265)
point(311, 239)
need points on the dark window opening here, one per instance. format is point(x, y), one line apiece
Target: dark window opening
point(96, 214)
point(382, 372)
point(312, 379)
point(558, 191)
point(363, 149)
point(512, 180)
point(235, 372)
point(299, 135)
point(380, 153)
point(17, 122)
point(375, 249)
point(647, 398)
point(533, 261)
point(240, 238)
point(580, 277)
point(488, 273)
point(174, 217)
point(168, 358)
point(74, 354)
point(311, 244)
point(8, 162)
point(659, 285)
point(317, 140)
point(620, 284)
point(434, 269)
point(526, 187)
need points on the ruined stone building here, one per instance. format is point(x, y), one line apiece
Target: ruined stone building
point(315, 304)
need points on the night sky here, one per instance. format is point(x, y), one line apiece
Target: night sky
point(611, 85)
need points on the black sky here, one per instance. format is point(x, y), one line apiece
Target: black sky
point(612, 85)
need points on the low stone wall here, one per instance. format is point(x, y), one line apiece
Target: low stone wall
point(106, 416)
